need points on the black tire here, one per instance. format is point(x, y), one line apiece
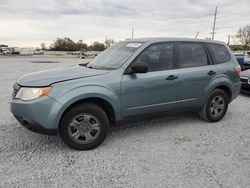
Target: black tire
point(88, 109)
point(210, 110)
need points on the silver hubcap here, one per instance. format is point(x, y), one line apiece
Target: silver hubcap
point(217, 106)
point(84, 128)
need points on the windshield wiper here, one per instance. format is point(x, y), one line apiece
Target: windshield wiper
point(95, 67)
point(98, 67)
point(84, 64)
point(91, 67)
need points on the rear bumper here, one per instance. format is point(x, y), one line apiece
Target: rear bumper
point(236, 90)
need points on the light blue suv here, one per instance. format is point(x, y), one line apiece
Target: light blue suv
point(130, 79)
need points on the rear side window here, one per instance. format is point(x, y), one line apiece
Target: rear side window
point(219, 52)
point(192, 55)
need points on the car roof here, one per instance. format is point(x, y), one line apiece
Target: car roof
point(165, 39)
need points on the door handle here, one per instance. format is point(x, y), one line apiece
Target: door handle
point(211, 72)
point(171, 77)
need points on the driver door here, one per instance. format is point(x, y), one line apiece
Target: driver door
point(154, 91)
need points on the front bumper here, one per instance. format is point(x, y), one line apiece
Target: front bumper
point(245, 88)
point(246, 66)
point(39, 115)
point(34, 126)
point(245, 84)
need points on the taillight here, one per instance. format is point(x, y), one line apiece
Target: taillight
point(237, 69)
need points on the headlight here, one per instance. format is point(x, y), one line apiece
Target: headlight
point(28, 93)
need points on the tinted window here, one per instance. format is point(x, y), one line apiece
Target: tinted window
point(158, 57)
point(220, 53)
point(192, 55)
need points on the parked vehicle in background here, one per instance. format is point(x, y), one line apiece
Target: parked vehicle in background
point(15, 50)
point(26, 51)
point(240, 59)
point(38, 52)
point(130, 79)
point(247, 60)
point(245, 81)
point(243, 59)
point(89, 54)
point(4, 50)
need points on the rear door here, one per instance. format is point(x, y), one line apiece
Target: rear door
point(195, 73)
point(222, 58)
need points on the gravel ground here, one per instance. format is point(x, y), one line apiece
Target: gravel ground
point(174, 151)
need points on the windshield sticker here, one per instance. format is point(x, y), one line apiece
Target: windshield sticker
point(133, 45)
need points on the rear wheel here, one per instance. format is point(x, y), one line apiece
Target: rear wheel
point(215, 107)
point(84, 126)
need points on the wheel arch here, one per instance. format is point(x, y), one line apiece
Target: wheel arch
point(220, 82)
point(226, 89)
point(104, 104)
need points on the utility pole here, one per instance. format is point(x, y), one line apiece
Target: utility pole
point(106, 40)
point(132, 33)
point(228, 40)
point(215, 16)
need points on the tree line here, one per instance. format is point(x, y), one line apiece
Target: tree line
point(243, 39)
point(67, 44)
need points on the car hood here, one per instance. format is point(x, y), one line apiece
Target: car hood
point(245, 73)
point(48, 77)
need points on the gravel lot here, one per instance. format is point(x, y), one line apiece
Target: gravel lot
point(174, 151)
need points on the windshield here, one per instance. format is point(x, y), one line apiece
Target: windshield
point(115, 56)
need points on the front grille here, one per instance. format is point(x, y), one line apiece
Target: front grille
point(244, 79)
point(16, 89)
point(247, 62)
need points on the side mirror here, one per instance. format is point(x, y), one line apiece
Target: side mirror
point(140, 67)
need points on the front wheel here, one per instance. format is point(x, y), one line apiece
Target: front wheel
point(215, 107)
point(84, 126)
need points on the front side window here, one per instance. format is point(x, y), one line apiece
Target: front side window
point(192, 55)
point(219, 52)
point(158, 57)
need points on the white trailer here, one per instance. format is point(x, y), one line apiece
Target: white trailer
point(27, 51)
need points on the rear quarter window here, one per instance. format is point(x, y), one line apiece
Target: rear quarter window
point(219, 52)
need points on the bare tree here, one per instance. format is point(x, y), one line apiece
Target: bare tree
point(43, 46)
point(243, 34)
point(109, 42)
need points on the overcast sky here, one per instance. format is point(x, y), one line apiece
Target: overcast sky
point(27, 23)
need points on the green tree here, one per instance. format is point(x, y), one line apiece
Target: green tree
point(236, 47)
point(63, 44)
point(97, 46)
point(80, 46)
